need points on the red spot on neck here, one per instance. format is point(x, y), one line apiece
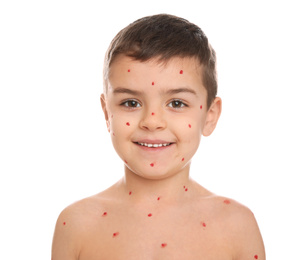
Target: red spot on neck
point(227, 201)
point(152, 164)
point(115, 234)
point(127, 123)
point(163, 245)
point(181, 71)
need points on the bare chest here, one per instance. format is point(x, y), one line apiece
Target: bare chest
point(155, 235)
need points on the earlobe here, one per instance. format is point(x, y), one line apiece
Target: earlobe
point(212, 117)
point(104, 109)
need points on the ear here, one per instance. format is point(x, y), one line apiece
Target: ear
point(104, 109)
point(212, 117)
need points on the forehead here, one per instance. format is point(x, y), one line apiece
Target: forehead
point(176, 72)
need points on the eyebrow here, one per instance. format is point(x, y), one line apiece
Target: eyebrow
point(121, 90)
point(181, 90)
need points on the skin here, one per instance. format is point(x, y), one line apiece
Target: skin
point(156, 211)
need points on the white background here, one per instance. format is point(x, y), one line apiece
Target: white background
point(54, 148)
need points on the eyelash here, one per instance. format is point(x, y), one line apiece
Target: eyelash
point(136, 104)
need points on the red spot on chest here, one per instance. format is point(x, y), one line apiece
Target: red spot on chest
point(115, 234)
point(163, 245)
point(127, 123)
point(256, 256)
point(227, 201)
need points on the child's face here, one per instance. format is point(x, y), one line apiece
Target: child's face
point(157, 113)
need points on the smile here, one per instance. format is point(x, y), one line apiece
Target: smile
point(154, 145)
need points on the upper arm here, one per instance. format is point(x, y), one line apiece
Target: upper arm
point(65, 244)
point(248, 240)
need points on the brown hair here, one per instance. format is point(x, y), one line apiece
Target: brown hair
point(165, 36)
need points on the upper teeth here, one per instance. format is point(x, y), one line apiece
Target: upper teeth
point(154, 145)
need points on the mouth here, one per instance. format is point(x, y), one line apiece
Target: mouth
point(154, 145)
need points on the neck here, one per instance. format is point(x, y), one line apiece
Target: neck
point(172, 188)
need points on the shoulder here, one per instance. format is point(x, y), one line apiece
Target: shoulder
point(73, 225)
point(240, 226)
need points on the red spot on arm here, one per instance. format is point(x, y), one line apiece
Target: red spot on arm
point(153, 83)
point(104, 214)
point(189, 125)
point(163, 245)
point(256, 256)
point(127, 123)
point(115, 234)
point(227, 201)
point(152, 164)
point(181, 71)
point(150, 214)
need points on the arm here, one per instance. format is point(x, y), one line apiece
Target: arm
point(248, 239)
point(65, 245)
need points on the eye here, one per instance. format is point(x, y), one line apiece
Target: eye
point(177, 104)
point(131, 103)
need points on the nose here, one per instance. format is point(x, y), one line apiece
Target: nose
point(153, 120)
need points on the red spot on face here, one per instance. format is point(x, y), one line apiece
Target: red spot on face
point(158, 198)
point(186, 189)
point(153, 83)
point(189, 125)
point(256, 256)
point(104, 214)
point(150, 214)
point(130, 193)
point(184, 186)
point(181, 71)
point(64, 223)
point(115, 234)
point(163, 245)
point(203, 224)
point(227, 201)
point(201, 107)
point(127, 123)
point(129, 70)
point(153, 114)
point(125, 161)
point(183, 159)
point(152, 164)
point(113, 134)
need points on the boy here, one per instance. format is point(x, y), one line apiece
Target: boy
point(159, 99)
